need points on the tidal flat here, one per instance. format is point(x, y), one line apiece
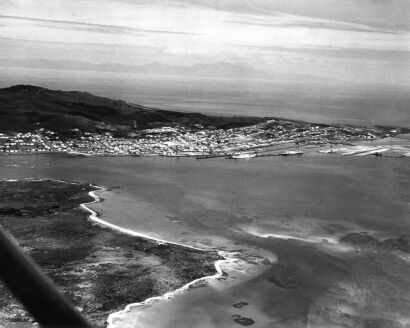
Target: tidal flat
point(99, 269)
point(334, 231)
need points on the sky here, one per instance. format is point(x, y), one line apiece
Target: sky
point(350, 41)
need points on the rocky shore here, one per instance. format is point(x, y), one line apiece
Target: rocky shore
point(101, 270)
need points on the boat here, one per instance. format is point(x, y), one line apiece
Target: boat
point(292, 153)
point(242, 155)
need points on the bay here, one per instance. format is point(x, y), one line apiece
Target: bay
point(266, 211)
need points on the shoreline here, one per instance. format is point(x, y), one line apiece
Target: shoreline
point(304, 276)
point(305, 271)
point(351, 150)
point(169, 295)
point(93, 217)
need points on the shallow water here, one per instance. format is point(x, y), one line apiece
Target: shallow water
point(312, 195)
point(306, 203)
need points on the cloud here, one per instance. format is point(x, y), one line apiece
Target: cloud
point(380, 14)
point(338, 26)
point(265, 35)
point(92, 26)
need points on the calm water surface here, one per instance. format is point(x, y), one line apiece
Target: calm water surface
point(303, 99)
point(230, 205)
point(315, 194)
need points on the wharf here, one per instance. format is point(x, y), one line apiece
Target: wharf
point(210, 156)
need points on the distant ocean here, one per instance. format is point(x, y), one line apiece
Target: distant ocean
point(305, 100)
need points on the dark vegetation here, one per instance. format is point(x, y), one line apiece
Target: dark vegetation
point(26, 108)
point(99, 269)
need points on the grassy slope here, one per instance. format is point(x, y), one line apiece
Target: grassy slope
point(22, 106)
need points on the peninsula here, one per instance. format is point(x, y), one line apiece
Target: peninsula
point(37, 120)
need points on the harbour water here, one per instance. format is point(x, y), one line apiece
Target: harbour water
point(280, 217)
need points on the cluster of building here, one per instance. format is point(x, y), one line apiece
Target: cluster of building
point(29, 142)
point(184, 141)
point(39, 141)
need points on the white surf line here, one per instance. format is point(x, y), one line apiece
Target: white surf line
point(94, 217)
point(331, 243)
point(330, 240)
point(169, 295)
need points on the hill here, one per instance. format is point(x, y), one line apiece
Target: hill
point(25, 108)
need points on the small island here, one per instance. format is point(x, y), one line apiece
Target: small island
point(99, 269)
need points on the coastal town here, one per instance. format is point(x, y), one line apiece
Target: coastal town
point(264, 139)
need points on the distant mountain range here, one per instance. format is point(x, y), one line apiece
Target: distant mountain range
point(220, 69)
point(26, 108)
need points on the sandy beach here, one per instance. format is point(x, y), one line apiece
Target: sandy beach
point(101, 270)
point(228, 263)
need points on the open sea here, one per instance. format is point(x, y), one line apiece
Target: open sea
point(301, 100)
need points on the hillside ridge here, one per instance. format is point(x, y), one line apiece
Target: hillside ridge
point(27, 107)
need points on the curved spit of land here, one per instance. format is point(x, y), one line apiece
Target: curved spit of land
point(227, 260)
point(101, 270)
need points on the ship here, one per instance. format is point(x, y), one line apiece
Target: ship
point(242, 155)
